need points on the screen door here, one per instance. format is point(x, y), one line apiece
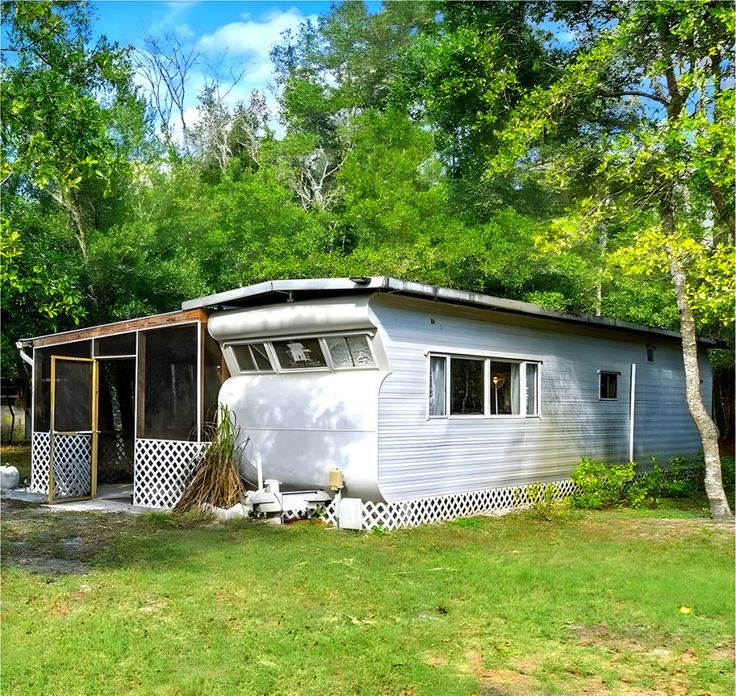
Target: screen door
point(74, 429)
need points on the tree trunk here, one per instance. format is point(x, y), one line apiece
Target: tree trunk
point(719, 508)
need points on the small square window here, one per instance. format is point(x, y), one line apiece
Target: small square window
point(609, 385)
point(650, 354)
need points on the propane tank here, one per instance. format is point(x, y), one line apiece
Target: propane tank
point(9, 477)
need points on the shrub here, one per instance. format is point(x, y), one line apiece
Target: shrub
point(542, 502)
point(600, 485)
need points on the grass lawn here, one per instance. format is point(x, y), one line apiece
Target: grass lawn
point(109, 604)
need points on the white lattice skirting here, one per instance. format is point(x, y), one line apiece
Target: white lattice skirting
point(72, 464)
point(163, 468)
point(40, 448)
point(411, 513)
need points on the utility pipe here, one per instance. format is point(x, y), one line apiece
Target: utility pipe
point(632, 411)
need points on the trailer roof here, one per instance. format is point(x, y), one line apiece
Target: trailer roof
point(277, 291)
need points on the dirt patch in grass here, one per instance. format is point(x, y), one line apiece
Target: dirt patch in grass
point(664, 528)
point(41, 540)
point(500, 682)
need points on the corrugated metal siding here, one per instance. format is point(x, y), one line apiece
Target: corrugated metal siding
point(663, 425)
point(420, 457)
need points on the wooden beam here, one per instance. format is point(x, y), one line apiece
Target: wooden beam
point(153, 322)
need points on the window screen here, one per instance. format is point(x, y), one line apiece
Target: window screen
point(609, 385)
point(170, 389)
point(73, 407)
point(466, 387)
point(121, 344)
point(42, 379)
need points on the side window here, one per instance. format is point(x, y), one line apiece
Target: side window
point(252, 357)
point(504, 388)
point(532, 389)
point(650, 354)
point(476, 386)
point(466, 387)
point(437, 385)
point(608, 386)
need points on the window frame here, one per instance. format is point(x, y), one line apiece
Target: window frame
point(608, 373)
point(487, 359)
point(276, 367)
point(257, 371)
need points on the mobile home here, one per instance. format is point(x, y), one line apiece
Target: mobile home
point(428, 402)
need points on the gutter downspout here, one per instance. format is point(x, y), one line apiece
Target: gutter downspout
point(632, 411)
point(20, 345)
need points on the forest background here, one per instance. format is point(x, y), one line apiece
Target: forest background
point(458, 144)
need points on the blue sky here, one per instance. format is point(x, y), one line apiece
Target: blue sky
point(244, 32)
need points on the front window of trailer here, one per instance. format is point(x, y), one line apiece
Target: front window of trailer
point(299, 354)
point(349, 351)
point(252, 357)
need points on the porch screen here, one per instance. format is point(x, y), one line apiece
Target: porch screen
point(73, 397)
point(169, 404)
point(42, 379)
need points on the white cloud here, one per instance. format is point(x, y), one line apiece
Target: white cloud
point(254, 38)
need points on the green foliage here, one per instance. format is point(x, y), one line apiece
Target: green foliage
point(543, 505)
point(599, 484)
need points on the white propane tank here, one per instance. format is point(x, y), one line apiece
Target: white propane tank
point(9, 477)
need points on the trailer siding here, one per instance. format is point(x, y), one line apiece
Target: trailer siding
point(420, 457)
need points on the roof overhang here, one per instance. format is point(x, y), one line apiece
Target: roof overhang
point(155, 321)
point(278, 291)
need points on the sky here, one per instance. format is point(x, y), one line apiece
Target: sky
point(244, 32)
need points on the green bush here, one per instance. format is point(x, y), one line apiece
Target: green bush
point(542, 502)
point(601, 485)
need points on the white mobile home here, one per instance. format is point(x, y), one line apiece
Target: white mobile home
point(417, 393)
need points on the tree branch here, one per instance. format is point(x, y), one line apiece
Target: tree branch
point(634, 93)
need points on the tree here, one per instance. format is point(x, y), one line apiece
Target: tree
point(639, 127)
point(71, 119)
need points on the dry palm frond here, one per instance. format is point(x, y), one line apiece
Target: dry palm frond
point(217, 481)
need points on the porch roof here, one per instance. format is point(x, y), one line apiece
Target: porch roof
point(154, 321)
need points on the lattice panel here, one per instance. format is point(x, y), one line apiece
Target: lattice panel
point(40, 449)
point(72, 465)
point(115, 460)
point(163, 468)
point(411, 513)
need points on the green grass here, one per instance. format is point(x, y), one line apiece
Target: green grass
point(587, 604)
